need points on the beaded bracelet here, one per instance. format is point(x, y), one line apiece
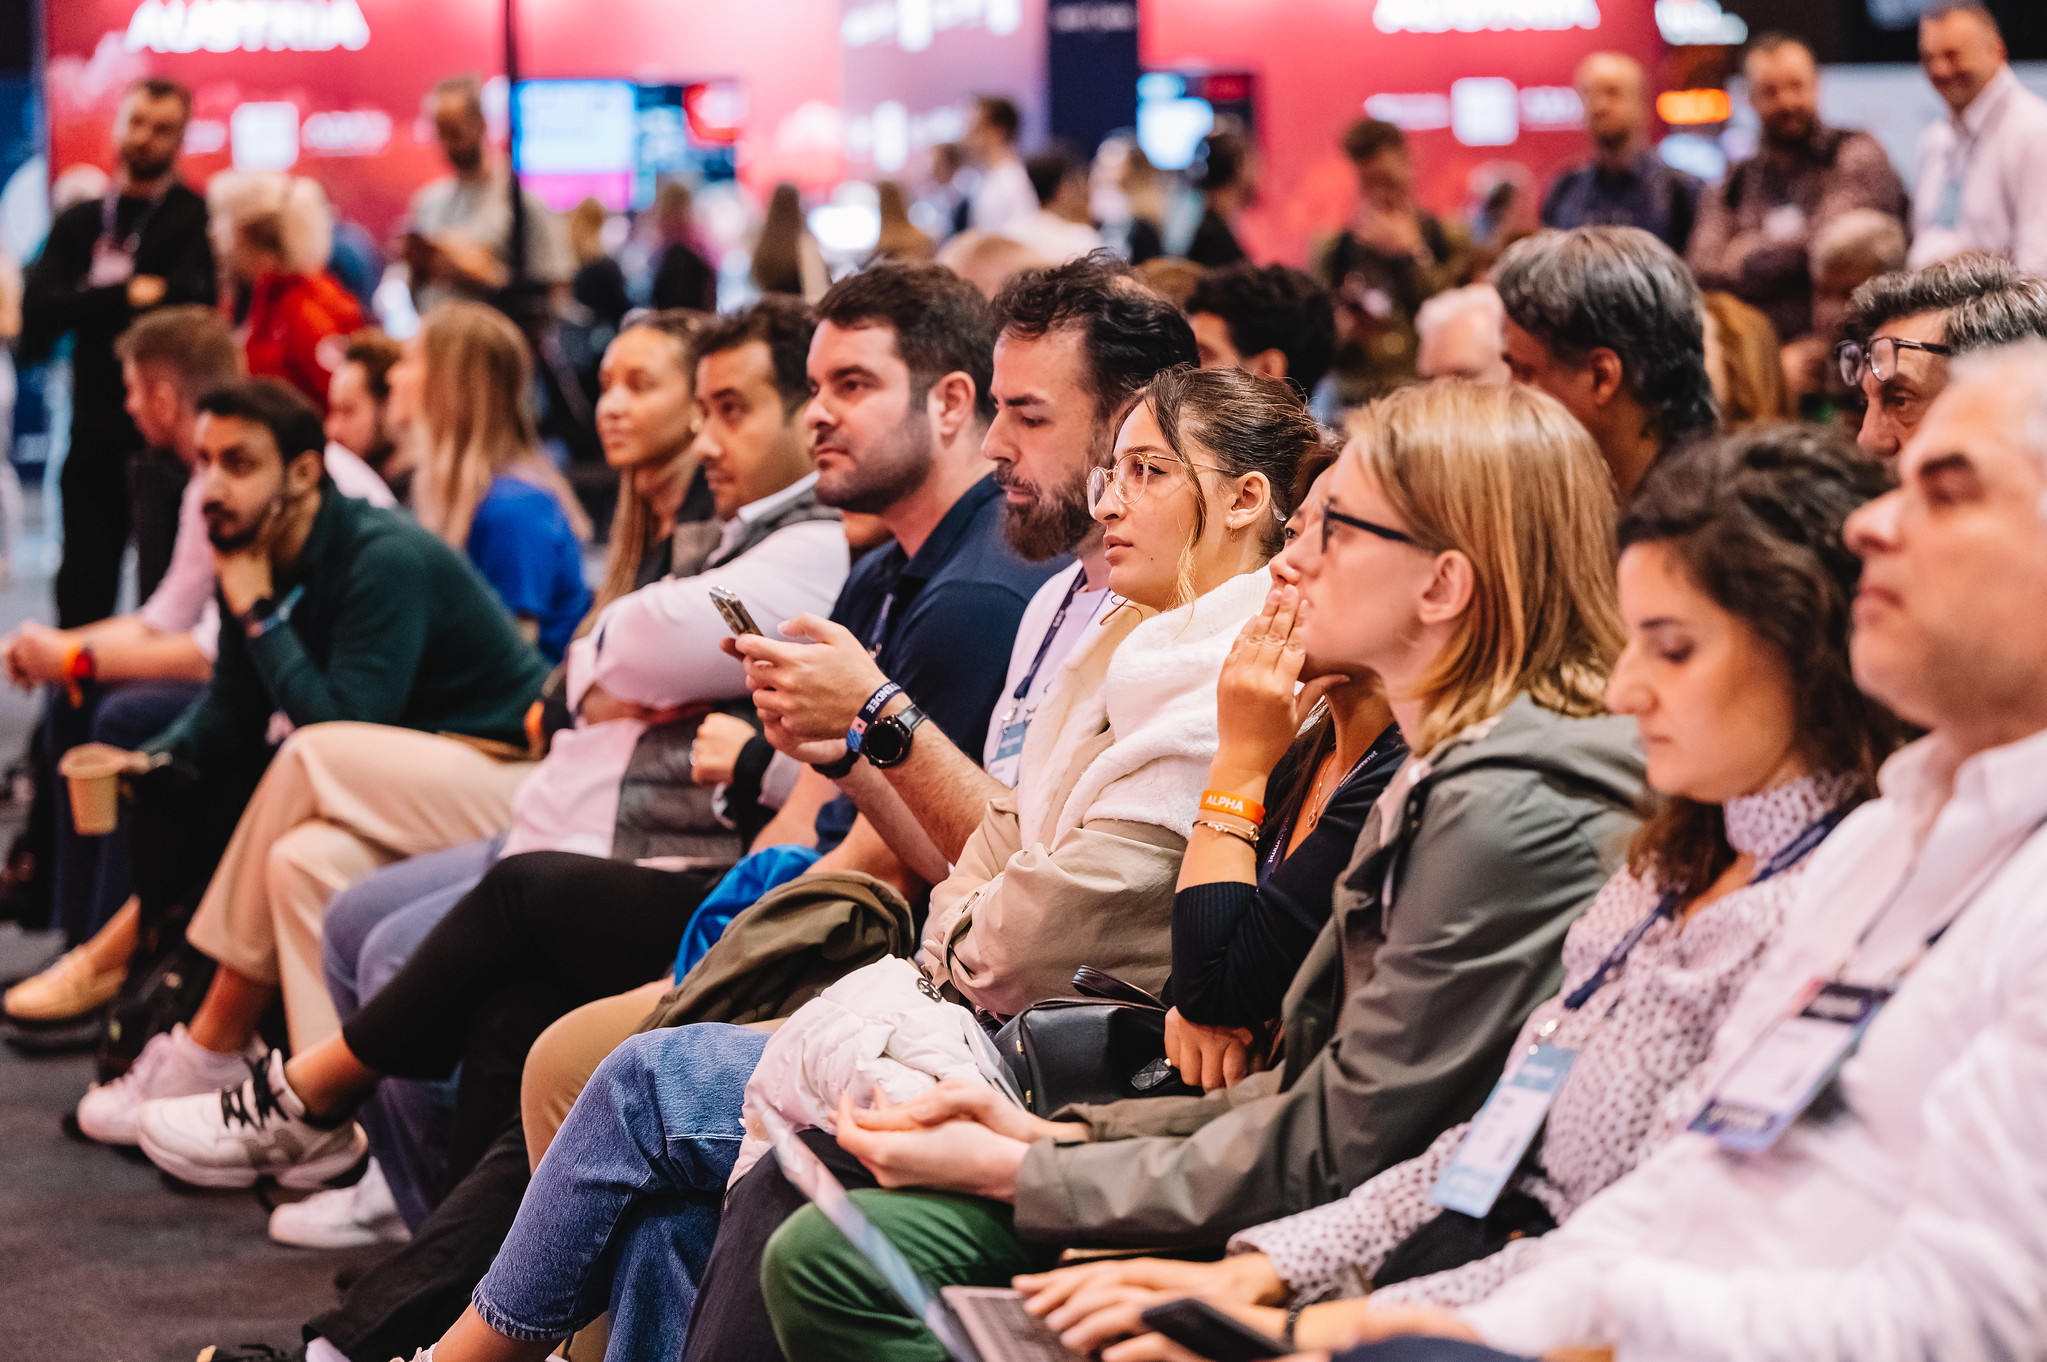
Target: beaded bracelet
point(1248, 836)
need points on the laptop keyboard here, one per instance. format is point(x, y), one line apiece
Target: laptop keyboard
point(1018, 1335)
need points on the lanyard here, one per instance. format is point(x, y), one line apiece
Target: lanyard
point(1023, 687)
point(110, 206)
point(1796, 850)
point(1276, 853)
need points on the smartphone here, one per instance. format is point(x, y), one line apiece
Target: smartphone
point(1201, 1328)
point(737, 617)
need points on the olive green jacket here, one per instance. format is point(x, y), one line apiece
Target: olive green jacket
point(1446, 932)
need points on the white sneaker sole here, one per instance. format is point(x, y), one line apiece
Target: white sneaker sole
point(337, 1236)
point(308, 1176)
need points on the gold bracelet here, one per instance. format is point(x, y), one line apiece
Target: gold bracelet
point(1245, 835)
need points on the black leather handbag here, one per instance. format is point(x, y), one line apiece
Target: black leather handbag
point(1106, 1045)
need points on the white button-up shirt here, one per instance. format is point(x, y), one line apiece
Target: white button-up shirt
point(1995, 156)
point(1910, 1223)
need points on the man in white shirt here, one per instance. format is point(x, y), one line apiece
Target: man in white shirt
point(122, 680)
point(1982, 172)
point(1003, 200)
point(1903, 1213)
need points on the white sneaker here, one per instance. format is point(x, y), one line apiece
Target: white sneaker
point(345, 1217)
point(240, 1135)
point(172, 1064)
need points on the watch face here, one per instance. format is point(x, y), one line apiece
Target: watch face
point(887, 742)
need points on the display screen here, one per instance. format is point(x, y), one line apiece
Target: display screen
point(613, 141)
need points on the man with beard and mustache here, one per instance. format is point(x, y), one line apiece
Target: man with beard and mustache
point(1755, 232)
point(330, 609)
point(104, 263)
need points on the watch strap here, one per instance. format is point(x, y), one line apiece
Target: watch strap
point(840, 769)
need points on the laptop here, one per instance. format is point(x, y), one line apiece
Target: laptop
point(973, 1323)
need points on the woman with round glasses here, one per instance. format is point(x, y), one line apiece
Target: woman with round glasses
point(1483, 600)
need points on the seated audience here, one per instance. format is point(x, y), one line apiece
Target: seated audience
point(1075, 869)
point(1887, 1210)
point(461, 394)
point(1266, 319)
point(1737, 675)
point(545, 933)
point(1846, 253)
point(1508, 816)
point(272, 236)
point(1904, 329)
point(1608, 321)
point(359, 444)
point(1463, 334)
point(331, 609)
point(121, 681)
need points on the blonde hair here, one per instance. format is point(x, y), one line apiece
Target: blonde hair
point(586, 231)
point(285, 214)
point(1505, 477)
point(475, 420)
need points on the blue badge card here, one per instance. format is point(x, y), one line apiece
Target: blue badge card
point(1787, 1068)
point(1502, 1131)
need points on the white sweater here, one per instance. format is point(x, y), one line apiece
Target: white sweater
point(1911, 1225)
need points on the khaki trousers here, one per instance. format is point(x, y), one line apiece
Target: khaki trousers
point(339, 801)
point(568, 1052)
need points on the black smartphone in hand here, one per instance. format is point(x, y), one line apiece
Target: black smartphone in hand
point(1202, 1329)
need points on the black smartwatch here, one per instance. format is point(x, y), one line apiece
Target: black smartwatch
point(887, 741)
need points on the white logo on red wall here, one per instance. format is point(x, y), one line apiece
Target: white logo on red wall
point(247, 26)
point(1483, 16)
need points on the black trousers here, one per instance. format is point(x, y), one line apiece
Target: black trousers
point(541, 935)
point(730, 1323)
point(113, 489)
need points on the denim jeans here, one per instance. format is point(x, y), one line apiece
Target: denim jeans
point(624, 1206)
point(370, 930)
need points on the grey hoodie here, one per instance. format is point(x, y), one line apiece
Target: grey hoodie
point(1399, 1021)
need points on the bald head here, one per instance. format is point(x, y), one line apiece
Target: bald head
point(1615, 93)
point(1960, 50)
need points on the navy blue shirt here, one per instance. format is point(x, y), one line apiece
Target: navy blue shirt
point(943, 623)
point(1649, 194)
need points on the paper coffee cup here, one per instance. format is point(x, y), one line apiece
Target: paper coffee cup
point(94, 774)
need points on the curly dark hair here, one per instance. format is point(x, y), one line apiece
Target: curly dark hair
point(1756, 519)
point(1273, 307)
point(1620, 289)
point(1129, 332)
point(781, 323)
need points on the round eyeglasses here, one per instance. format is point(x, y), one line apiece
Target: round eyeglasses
point(1131, 476)
point(1879, 357)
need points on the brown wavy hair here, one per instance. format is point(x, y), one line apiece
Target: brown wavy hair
point(1755, 521)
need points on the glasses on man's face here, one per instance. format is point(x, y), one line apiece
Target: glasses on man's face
point(1130, 476)
point(1879, 358)
point(1332, 517)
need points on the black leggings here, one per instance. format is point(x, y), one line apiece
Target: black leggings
point(541, 935)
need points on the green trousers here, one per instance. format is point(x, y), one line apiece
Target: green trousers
point(827, 1301)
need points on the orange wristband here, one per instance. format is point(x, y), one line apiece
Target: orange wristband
point(1222, 801)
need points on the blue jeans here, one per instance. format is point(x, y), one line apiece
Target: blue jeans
point(369, 932)
point(91, 877)
point(625, 1203)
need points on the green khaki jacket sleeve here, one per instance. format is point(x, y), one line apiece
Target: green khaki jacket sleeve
point(1432, 989)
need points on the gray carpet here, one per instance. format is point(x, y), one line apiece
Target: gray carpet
point(100, 1259)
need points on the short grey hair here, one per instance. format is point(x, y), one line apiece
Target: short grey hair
point(1449, 305)
point(1866, 237)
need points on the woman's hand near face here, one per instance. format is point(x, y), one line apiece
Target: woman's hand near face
point(1258, 712)
point(1209, 1057)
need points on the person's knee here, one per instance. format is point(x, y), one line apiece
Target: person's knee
point(806, 1262)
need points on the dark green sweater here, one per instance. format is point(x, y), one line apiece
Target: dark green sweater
point(394, 627)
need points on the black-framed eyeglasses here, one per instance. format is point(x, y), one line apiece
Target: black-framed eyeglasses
point(1331, 516)
point(1879, 357)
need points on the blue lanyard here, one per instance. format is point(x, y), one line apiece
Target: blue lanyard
point(1023, 687)
point(1795, 851)
point(1276, 853)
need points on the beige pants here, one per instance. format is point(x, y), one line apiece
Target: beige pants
point(568, 1052)
point(339, 801)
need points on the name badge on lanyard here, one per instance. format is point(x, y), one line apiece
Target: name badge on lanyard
point(111, 264)
point(1502, 1131)
point(1777, 1080)
point(1947, 212)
